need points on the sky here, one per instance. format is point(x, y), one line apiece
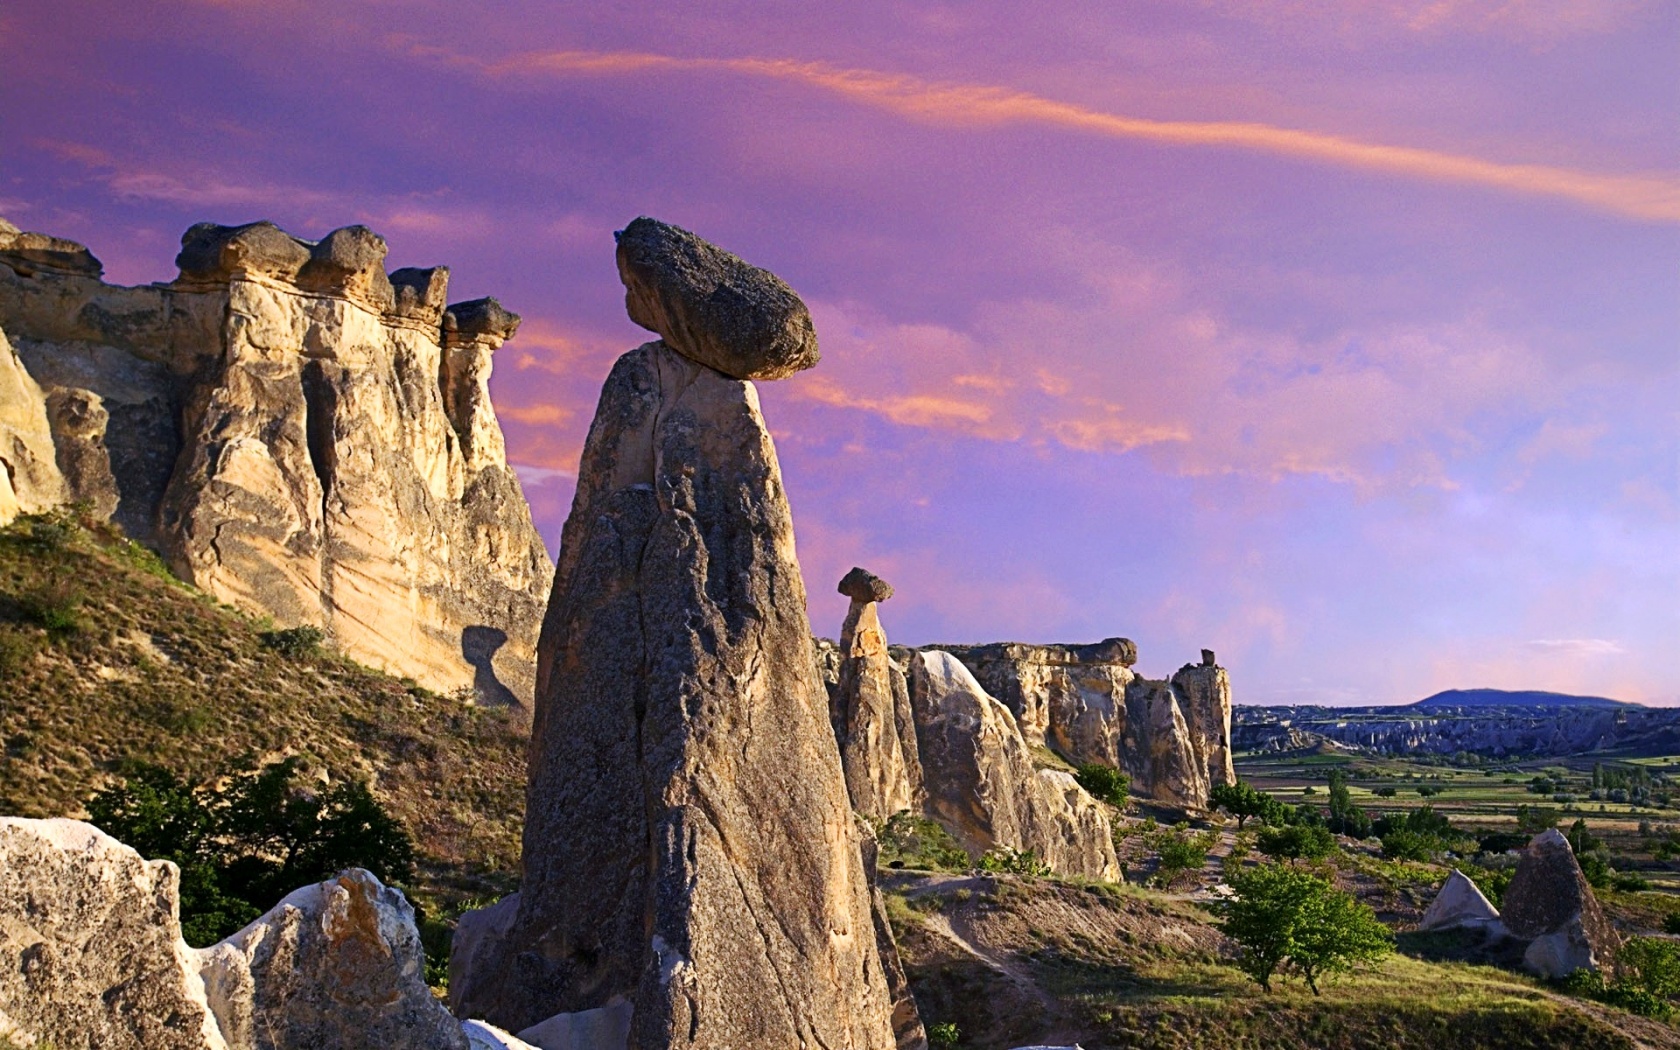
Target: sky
point(1342, 339)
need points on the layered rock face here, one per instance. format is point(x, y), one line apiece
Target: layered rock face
point(1550, 904)
point(1085, 702)
point(870, 708)
point(983, 786)
point(299, 433)
point(691, 863)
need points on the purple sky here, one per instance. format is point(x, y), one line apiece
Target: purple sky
point(1347, 345)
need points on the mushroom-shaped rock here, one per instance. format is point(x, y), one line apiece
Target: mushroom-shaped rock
point(349, 261)
point(420, 293)
point(479, 318)
point(337, 965)
point(28, 252)
point(712, 307)
point(1550, 904)
point(210, 252)
point(861, 585)
point(1459, 904)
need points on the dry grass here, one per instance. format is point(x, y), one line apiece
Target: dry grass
point(153, 671)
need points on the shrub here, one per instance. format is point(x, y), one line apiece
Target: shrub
point(1671, 923)
point(1105, 783)
point(1296, 841)
point(294, 641)
point(1012, 861)
point(1427, 790)
point(1384, 792)
point(1242, 801)
point(1283, 915)
point(910, 841)
point(1401, 844)
point(243, 847)
point(944, 1034)
point(56, 608)
point(1180, 851)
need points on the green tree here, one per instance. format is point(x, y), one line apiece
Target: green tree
point(1180, 851)
point(1281, 914)
point(1308, 841)
point(1242, 801)
point(1105, 783)
point(243, 847)
point(1345, 817)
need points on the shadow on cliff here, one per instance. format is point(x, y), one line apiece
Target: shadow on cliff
point(478, 647)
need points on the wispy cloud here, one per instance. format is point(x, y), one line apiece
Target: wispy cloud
point(1645, 197)
point(1578, 646)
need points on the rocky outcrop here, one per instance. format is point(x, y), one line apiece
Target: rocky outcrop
point(710, 306)
point(908, 1031)
point(1086, 703)
point(30, 481)
point(1459, 904)
point(1537, 730)
point(983, 786)
point(91, 956)
point(690, 854)
point(1550, 904)
point(870, 708)
point(300, 434)
point(335, 966)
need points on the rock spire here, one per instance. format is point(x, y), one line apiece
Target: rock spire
point(870, 708)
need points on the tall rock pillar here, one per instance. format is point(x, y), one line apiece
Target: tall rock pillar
point(692, 871)
point(871, 708)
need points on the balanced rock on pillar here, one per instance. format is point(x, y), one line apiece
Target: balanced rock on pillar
point(870, 708)
point(690, 853)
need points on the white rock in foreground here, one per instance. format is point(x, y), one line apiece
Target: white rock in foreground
point(91, 956)
point(335, 966)
point(482, 1035)
point(1459, 904)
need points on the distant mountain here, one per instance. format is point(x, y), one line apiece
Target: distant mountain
point(1513, 698)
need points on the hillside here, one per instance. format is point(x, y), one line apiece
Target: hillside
point(105, 658)
point(1512, 698)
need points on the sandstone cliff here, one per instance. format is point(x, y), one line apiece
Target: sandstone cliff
point(1087, 704)
point(299, 433)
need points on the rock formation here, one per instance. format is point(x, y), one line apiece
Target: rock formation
point(870, 708)
point(1459, 904)
point(691, 860)
point(906, 1022)
point(1550, 904)
point(300, 434)
point(983, 786)
point(1086, 703)
point(91, 956)
point(335, 966)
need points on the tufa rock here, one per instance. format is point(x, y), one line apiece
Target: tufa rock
point(479, 319)
point(335, 966)
point(711, 307)
point(1207, 658)
point(1550, 904)
point(870, 710)
point(906, 1020)
point(689, 848)
point(1460, 903)
point(862, 586)
point(981, 782)
point(36, 252)
point(299, 440)
point(30, 478)
point(91, 956)
point(1204, 697)
point(481, 1035)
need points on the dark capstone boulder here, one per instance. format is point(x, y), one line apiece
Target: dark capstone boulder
point(211, 252)
point(863, 586)
point(710, 306)
point(349, 261)
point(479, 317)
point(1550, 904)
point(420, 293)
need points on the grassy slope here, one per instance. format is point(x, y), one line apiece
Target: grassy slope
point(1011, 961)
point(160, 673)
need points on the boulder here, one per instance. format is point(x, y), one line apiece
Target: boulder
point(36, 252)
point(1459, 904)
point(711, 307)
point(335, 966)
point(91, 956)
point(481, 1035)
point(689, 846)
point(870, 709)
point(1550, 904)
point(301, 437)
point(982, 784)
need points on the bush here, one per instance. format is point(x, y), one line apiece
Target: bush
point(1427, 790)
point(1647, 978)
point(1285, 916)
point(56, 608)
point(1384, 792)
point(1105, 783)
point(1012, 861)
point(1180, 851)
point(1671, 923)
point(242, 848)
point(944, 1034)
point(295, 641)
point(1293, 841)
point(909, 841)
point(1242, 801)
point(1401, 844)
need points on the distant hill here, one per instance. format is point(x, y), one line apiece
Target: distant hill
point(1514, 698)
